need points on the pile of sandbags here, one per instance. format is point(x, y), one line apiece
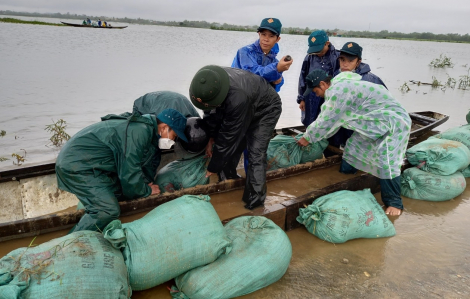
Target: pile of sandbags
point(261, 253)
point(418, 184)
point(438, 172)
point(346, 215)
point(460, 134)
point(172, 239)
point(283, 151)
point(79, 265)
point(182, 174)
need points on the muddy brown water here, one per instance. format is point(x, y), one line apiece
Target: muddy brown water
point(428, 258)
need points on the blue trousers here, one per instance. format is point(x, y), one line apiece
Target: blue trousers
point(390, 189)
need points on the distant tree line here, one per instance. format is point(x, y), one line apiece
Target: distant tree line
point(384, 34)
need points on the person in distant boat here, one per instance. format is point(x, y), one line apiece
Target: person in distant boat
point(104, 24)
point(381, 129)
point(350, 60)
point(259, 58)
point(115, 159)
point(99, 22)
point(88, 21)
point(247, 109)
point(109, 25)
point(84, 23)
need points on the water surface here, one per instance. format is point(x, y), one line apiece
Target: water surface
point(80, 74)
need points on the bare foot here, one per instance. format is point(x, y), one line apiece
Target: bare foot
point(393, 211)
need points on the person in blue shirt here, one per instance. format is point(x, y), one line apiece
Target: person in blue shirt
point(321, 54)
point(99, 22)
point(260, 57)
point(350, 60)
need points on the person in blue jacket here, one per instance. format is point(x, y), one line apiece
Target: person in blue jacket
point(350, 60)
point(321, 54)
point(260, 57)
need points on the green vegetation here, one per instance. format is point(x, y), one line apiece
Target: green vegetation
point(12, 20)
point(59, 136)
point(19, 158)
point(435, 83)
point(450, 82)
point(2, 159)
point(405, 87)
point(2, 133)
point(464, 81)
point(441, 62)
point(384, 34)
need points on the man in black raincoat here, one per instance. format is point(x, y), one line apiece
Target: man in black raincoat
point(246, 112)
point(117, 157)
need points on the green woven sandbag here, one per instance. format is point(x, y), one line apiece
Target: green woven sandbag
point(418, 184)
point(439, 156)
point(466, 172)
point(170, 240)
point(283, 151)
point(261, 253)
point(79, 265)
point(460, 134)
point(346, 215)
point(182, 174)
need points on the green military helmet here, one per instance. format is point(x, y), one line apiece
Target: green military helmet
point(209, 87)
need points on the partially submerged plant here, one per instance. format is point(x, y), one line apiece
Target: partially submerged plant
point(59, 136)
point(464, 81)
point(19, 158)
point(435, 83)
point(404, 87)
point(2, 159)
point(442, 61)
point(2, 133)
point(449, 83)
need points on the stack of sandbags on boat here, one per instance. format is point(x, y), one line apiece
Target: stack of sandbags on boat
point(346, 215)
point(283, 151)
point(460, 134)
point(80, 265)
point(182, 174)
point(438, 172)
point(261, 253)
point(172, 239)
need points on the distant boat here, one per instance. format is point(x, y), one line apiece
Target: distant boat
point(90, 26)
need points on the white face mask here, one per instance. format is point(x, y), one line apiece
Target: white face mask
point(165, 143)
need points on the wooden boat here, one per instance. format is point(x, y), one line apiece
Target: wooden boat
point(89, 26)
point(283, 214)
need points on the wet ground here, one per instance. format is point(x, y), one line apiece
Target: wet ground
point(428, 258)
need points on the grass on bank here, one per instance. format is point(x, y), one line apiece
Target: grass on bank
point(16, 21)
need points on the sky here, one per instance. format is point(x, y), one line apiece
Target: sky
point(450, 16)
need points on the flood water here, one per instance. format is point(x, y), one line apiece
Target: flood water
point(80, 74)
point(428, 258)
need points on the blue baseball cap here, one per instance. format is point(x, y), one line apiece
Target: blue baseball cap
point(316, 41)
point(272, 24)
point(175, 120)
point(313, 79)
